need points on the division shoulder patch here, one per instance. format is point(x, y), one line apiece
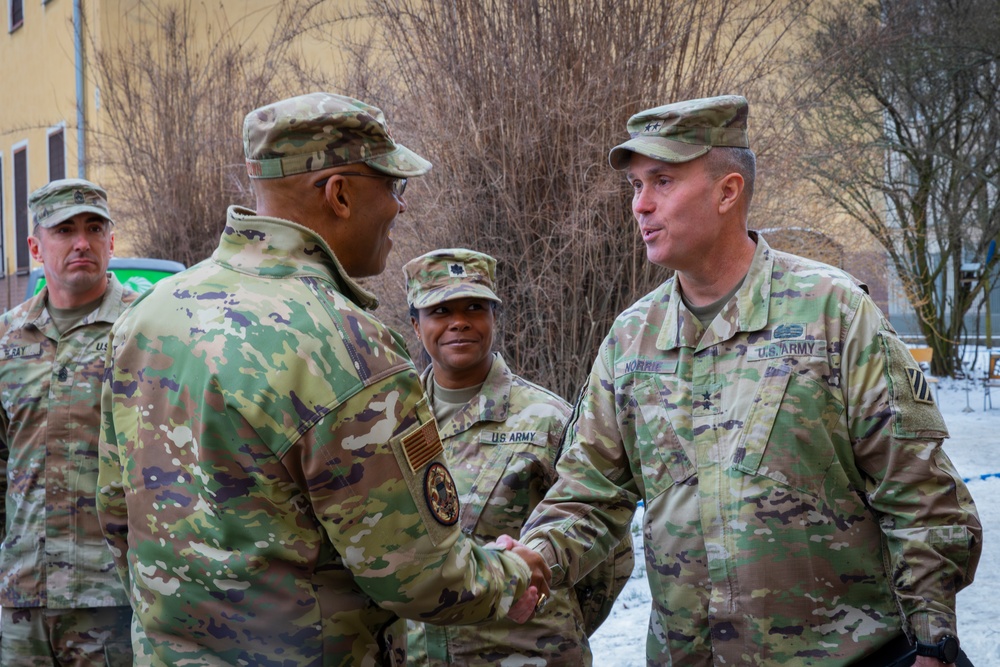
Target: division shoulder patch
point(422, 445)
point(441, 494)
point(919, 386)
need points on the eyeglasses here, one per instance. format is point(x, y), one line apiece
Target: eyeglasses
point(398, 184)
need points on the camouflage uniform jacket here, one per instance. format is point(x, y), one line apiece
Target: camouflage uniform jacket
point(52, 552)
point(502, 447)
point(272, 485)
point(789, 456)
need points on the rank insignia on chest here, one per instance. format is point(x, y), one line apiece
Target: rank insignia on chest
point(441, 494)
point(920, 387)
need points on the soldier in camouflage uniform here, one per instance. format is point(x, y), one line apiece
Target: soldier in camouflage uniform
point(501, 435)
point(272, 484)
point(62, 601)
point(799, 508)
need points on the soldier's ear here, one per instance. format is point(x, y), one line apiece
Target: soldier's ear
point(34, 248)
point(339, 196)
point(730, 188)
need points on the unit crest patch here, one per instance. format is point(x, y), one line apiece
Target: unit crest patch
point(441, 494)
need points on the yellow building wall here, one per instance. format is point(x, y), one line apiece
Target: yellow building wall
point(37, 97)
point(38, 88)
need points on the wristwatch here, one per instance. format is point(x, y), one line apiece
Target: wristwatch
point(945, 650)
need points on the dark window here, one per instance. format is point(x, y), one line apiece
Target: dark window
point(57, 156)
point(16, 13)
point(21, 210)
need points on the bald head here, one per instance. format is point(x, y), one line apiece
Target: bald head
point(291, 198)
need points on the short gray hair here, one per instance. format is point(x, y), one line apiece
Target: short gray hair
point(722, 160)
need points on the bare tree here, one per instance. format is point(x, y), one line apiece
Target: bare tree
point(172, 106)
point(904, 122)
point(518, 102)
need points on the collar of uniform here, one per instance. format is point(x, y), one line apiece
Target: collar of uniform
point(747, 311)
point(108, 310)
point(111, 305)
point(492, 404)
point(264, 246)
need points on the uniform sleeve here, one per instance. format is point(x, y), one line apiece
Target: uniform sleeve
point(111, 508)
point(589, 509)
point(374, 473)
point(4, 456)
point(932, 531)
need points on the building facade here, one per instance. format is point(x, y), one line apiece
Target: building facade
point(51, 115)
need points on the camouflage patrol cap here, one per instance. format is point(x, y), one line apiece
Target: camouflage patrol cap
point(683, 131)
point(451, 273)
point(319, 131)
point(58, 201)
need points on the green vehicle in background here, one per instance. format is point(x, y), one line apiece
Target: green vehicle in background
point(136, 273)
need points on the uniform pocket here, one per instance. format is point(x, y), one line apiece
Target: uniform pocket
point(787, 435)
point(663, 457)
point(118, 653)
point(474, 503)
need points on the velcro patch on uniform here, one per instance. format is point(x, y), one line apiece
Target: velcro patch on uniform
point(639, 365)
point(919, 386)
point(20, 351)
point(441, 494)
point(421, 446)
point(786, 348)
point(511, 437)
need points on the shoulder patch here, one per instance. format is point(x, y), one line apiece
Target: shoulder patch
point(422, 445)
point(441, 494)
point(919, 386)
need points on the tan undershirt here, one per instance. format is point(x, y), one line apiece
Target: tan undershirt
point(446, 402)
point(706, 314)
point(66, 318)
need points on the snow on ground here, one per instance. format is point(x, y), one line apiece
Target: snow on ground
point(974, 448)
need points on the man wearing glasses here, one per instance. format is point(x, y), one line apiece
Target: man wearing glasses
point(272, 483)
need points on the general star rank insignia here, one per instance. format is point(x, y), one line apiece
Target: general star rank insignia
point(920, 387)
point(441, 495)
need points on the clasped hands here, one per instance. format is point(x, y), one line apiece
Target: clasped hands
point(537, 592)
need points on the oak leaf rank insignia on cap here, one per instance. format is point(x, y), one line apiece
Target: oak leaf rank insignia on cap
point(447, 274)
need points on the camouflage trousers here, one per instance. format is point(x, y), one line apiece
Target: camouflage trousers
point(41, 637)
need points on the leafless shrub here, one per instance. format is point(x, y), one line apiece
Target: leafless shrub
point(903, 121)
point(175, 86)
point(517, 102)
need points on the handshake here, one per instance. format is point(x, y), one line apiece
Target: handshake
point(534, 597)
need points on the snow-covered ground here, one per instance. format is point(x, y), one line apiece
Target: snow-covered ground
point(974, 448)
